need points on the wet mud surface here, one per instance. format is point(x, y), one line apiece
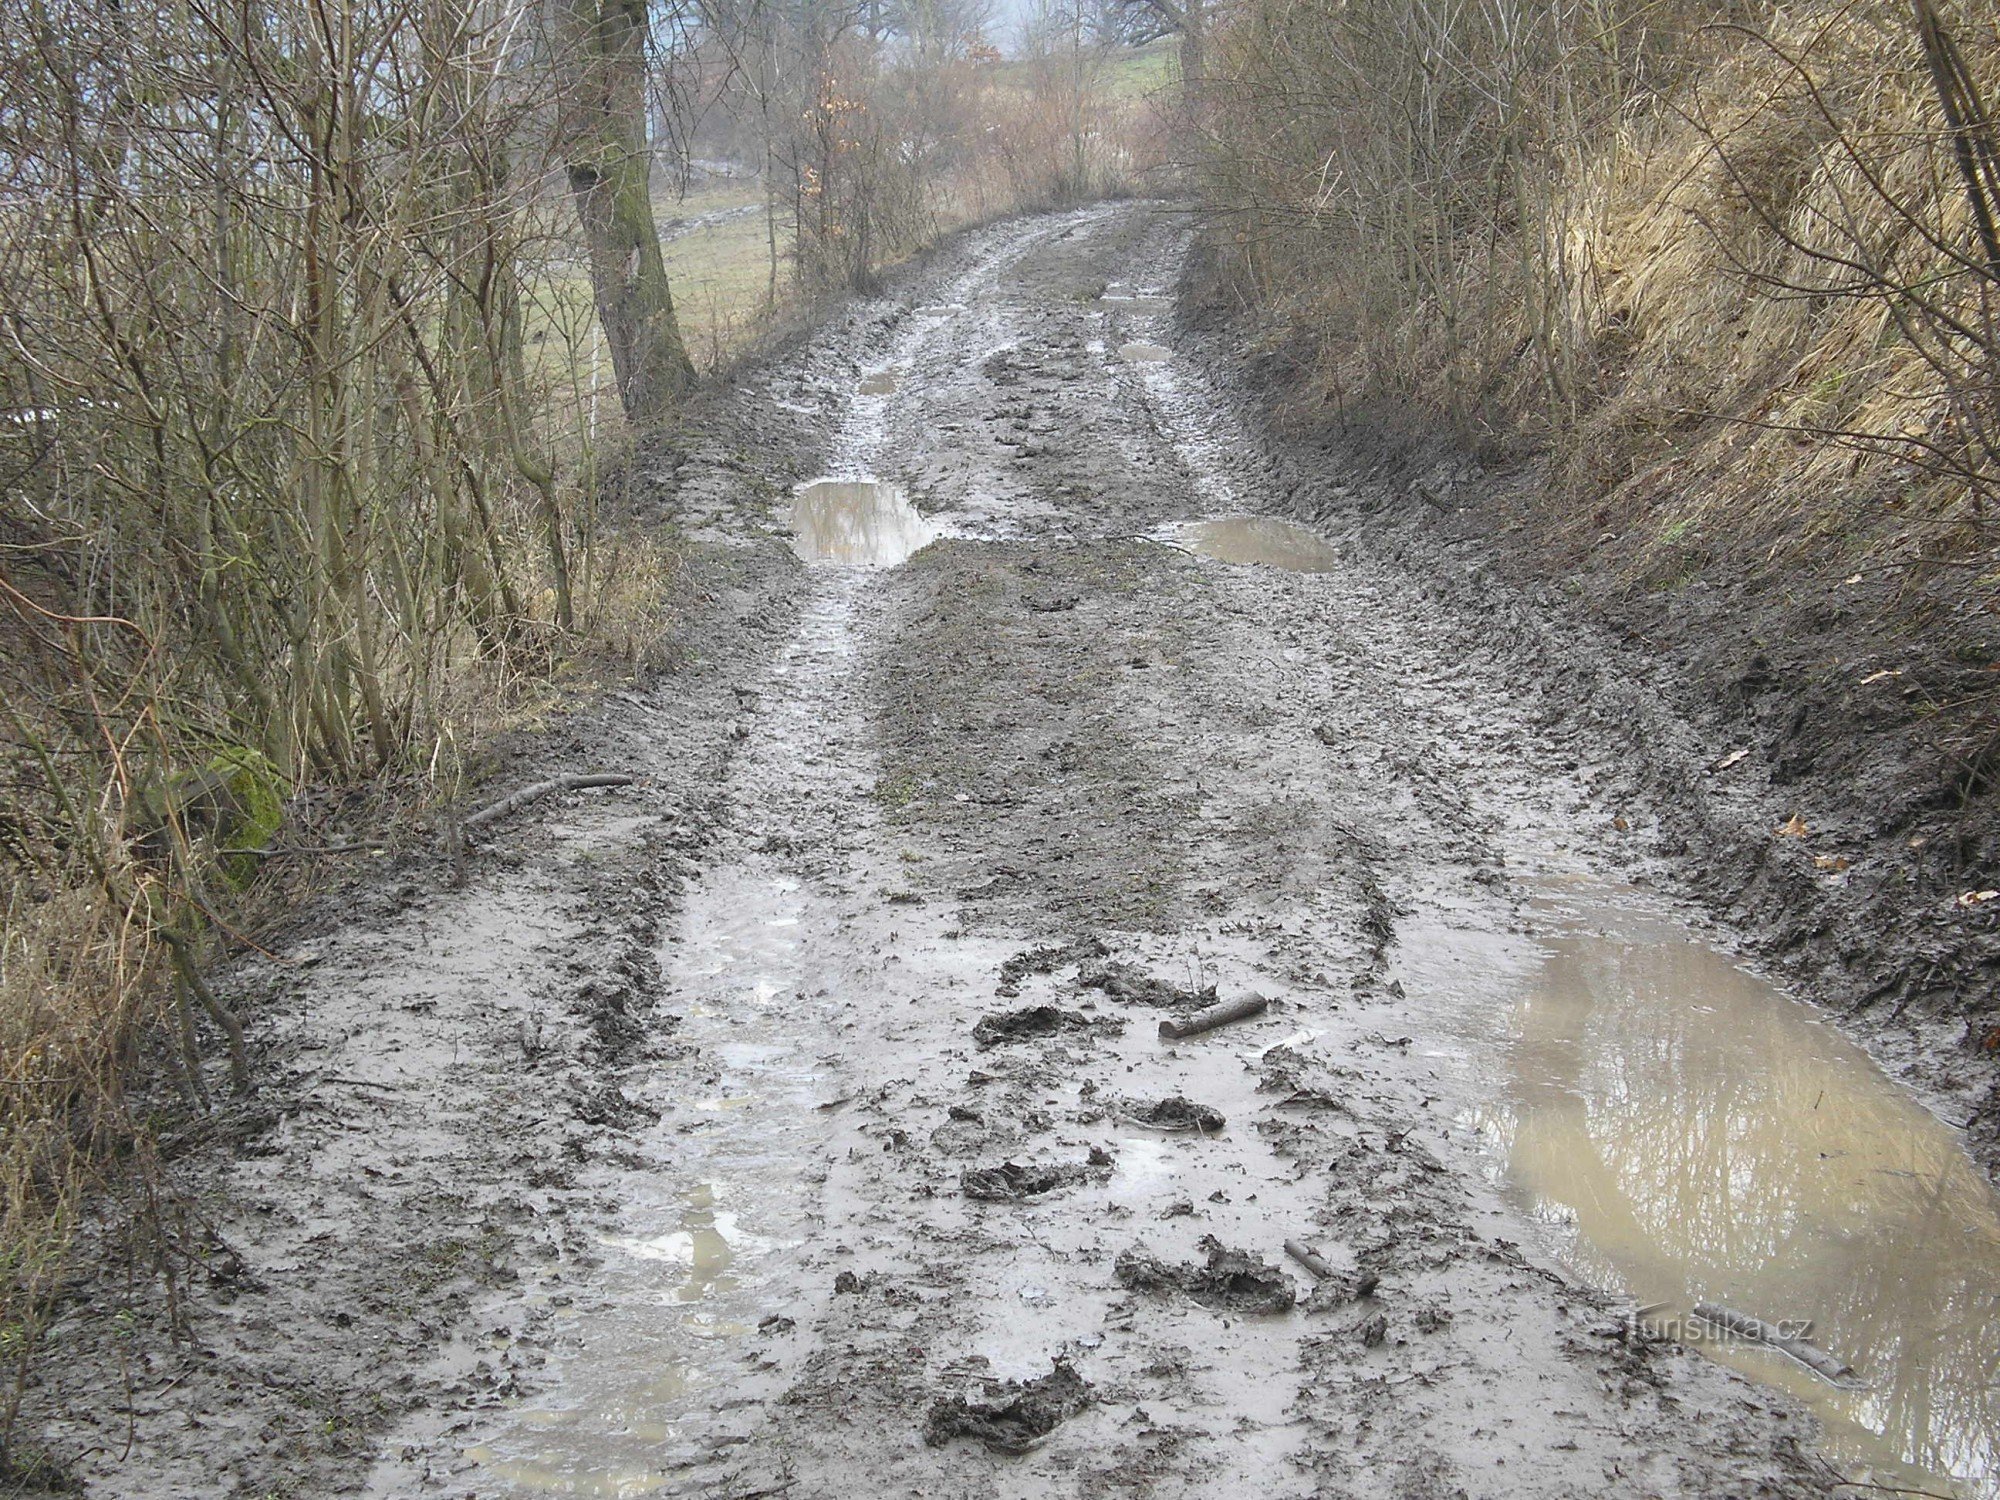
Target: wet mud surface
point(801, 1121)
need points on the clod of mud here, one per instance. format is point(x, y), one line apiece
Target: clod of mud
point(1174, 1113)
point(1126, 983)
point(1030, 1022)
point(1047, 960)
point(1232, 1281)
point(1305, 1082)
point(1010, 1416)
point(1015, 1182)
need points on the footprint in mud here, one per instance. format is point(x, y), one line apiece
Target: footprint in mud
point(1232, 1281)
point(1173, 1113)
point(1034, 1021)
point(1010, 1416)
point(1014, 1182)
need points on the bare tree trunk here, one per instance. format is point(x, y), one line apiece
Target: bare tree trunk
point(610, 175)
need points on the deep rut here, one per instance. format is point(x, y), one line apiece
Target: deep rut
point(827, 1217)
point(1047, 729)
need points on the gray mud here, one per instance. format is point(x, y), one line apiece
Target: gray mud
point(880, 1178)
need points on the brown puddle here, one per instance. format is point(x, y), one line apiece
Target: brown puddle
point(857, 521)
point(881, 383)
point(1261, 541)
point(1144, 354)
point(1692, 1134)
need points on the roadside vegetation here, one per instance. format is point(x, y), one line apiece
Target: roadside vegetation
point(324, 339)
point(1732, 271)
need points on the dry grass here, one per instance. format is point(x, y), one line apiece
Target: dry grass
point(1706, 266)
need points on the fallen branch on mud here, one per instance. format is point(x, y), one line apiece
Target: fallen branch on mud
point(457, 835)
point(514, 802)
point(1357, 1287)
point(1214, 1016)
point(1311, 1259)
point(1758, 1331)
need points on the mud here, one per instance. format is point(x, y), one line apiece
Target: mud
point(1047, 961)
point(1129, 986)
point(1175, 1113)
point(1011, 1182)
point(665, 1156)
point(1228, 1280)
point(1009, 1416)
point(1027, 1024)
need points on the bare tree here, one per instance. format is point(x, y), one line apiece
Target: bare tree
point(610, 174)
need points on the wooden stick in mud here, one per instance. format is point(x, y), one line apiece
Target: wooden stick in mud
point(515, 801)
point(1311, 1259)
point(1214, 1016)
point(1758, 1331)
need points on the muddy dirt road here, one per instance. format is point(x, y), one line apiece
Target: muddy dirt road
point(800, 1121)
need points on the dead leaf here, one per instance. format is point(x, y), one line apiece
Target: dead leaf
point(1793, 827)
point(1970, 899)
point(1728, 760)
point(1879, 676)
point(1829, 861)
point(1620, 824)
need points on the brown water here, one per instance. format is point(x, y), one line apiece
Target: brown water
point(1262, 541)
point(880, 383)
point(857, 521)
point(1690, 1133)
point(1144, 354)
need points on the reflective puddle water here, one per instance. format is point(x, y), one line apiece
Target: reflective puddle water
point(1261, 541)
point(880, 383)
point(1144, 354)
point(661, 1365)
point(1692, 1134)
point(857, 521)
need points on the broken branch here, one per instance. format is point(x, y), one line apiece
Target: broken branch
point(515, 801)
point(1214, 1016)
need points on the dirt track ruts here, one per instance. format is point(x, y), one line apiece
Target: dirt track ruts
point(685, 1078)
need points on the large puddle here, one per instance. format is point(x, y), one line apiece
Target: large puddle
point(857, 521)
point(1692, 1134)
point(1261, 541)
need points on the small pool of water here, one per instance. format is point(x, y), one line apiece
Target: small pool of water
point(879, 383)
point(1144, 354)
point(857, 521)
point(1261, 541)
point(1690, 1133)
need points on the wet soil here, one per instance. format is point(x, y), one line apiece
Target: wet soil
point(797, 1120)
point(1814, 743)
